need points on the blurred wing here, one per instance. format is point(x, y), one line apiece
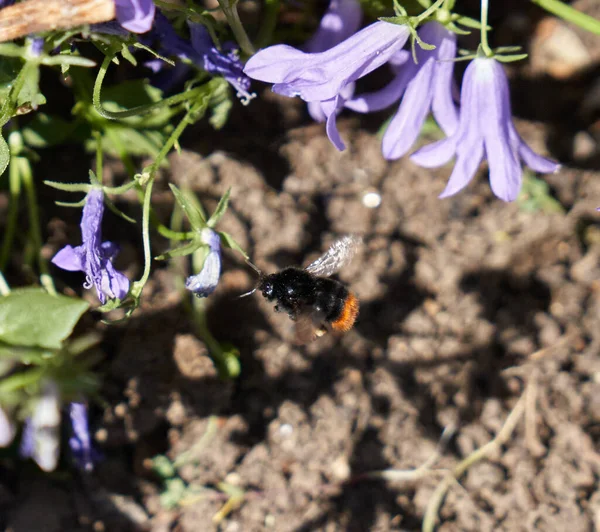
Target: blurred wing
point(308, 326)
point(338, 255)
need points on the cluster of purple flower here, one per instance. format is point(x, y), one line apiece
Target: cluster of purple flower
point(324, 76)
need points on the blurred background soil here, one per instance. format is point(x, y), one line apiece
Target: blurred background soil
point(456, 296)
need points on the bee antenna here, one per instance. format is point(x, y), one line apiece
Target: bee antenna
point(260, 276)
point(254, 267)
point(248, 293)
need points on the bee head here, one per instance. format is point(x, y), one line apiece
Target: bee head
point(267, 288)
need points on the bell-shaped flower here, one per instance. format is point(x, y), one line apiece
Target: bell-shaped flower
point(426, 86)
point(135, 16)
point(485, 128)
point(94, 257)
point(7, 429)
point(41, 433)
point(204, 283)
point(80, 442)
point(340, 21)
point(224, 62)
point(201, 51)
point(323, 77)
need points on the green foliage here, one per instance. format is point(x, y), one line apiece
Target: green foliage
point(535, 196)
point(33, 318)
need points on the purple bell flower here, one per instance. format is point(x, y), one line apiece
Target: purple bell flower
point(204, 283)
point(224, 62)
point(81, 442)
point(135, 16)
point(94, 257)
point(200, 51)
point(340, 21)
point(426, 86)
point(322, 77)
point(485, 128)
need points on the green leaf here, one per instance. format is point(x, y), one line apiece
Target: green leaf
point(34, 318)
point(228, 241)
point(220, 210)
point(181, 251)
point(195, 217)
point(4, 154)
point(510, 58)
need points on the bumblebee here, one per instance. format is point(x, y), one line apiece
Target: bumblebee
point(314, 302)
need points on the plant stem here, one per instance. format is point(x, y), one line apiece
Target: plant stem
point(570, 14)
point(14, 183)
point(484, 21)
point(140, 109)
point(230, 10)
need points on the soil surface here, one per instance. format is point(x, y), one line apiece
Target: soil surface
point(471, 309)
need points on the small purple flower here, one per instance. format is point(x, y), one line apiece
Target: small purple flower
point(41, 433)
point(485, 128)
point(202, 52)
point(135, 16)
point(6, 3)
point(94, 257)
point(204, 283)
point(224, 62)
point(322, 77)
point(81, 442)
point(36, 46)
point(339, 22)
point(426, 85)
point(7, 429)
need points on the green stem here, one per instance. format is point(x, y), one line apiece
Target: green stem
point(97, 103)
point(430, 10)
point(269, 21)
point(99, 158)
point(229, 8)
point(14, 183)
point(139, 285)
point(570, 14)
point(484, 20)
point(35, 225)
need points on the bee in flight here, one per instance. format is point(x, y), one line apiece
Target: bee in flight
point(314, 302)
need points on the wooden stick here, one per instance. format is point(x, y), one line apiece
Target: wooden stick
point(36, 16)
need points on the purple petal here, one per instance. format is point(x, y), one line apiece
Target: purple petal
point(339, 22)
point(109, 250)
point(81, 442)
point(112, 283)
point(320, 76)
point(443, 108)
point(493, 95)
point(330, 108)
point(205, 282)
point(91, 220)
point(468, 157)
point(391, 93)
point(70, 259)
point(435, 154)
point(135, 15)
point(408, 121)
point(316, 112)
point(536, 162)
